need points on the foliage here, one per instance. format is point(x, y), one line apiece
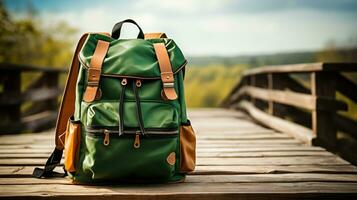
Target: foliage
point(333, 54)
point(254, 60)
point(337, 55)
point(210, 78)
point(208, 86)
point(26, 41)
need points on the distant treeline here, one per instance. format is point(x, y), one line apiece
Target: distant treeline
point(211, 78)
point(332, 55)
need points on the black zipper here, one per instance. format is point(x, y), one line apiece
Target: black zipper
point(114, 132)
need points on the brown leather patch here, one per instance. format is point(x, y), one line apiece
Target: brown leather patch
point(154, 35)
point(171, 159)
point(73, 136)
point(188, 148)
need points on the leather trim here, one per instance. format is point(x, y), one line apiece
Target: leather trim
point(167, 76)
point(69, 94)
point(171, 158)
point(94, 71)
point(187, 149)
point(66, 109)
point(62, 138)
point(72, 142)
point(154, 35)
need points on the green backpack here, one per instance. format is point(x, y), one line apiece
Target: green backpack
point(123, 112)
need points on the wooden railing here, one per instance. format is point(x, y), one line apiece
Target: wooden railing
point(299, 99)
point(33, 108)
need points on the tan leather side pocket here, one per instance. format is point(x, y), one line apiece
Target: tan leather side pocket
point(188, 148)
point(71, 147)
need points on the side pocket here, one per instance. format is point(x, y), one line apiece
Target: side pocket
point(73, 135)
point(188, 148)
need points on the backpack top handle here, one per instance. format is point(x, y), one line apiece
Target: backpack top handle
point(117, 29)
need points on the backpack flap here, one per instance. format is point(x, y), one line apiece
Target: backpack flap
point(132, 58)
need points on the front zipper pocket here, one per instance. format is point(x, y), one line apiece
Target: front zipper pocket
point(96, 131)
point(130, 156)
point(129, 140)
point(105, 113)
point(110, 132)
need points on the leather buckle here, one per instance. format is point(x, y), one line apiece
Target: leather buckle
point(166, 76)
point(94, 74)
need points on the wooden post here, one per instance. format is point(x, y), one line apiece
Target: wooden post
point(247, 82)
point(275, 82)
point(323, 84)
point(252, 83)
point(12, 84)
point(261, 81)
point(51, 82)
point(270, 87)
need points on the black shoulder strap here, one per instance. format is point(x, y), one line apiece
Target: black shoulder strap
point(51, 164)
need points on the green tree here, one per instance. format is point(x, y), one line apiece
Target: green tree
point(26, 41)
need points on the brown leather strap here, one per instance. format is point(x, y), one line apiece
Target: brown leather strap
point(94, 71)
point(66, 109)
point(167, 76)
point(154, 35)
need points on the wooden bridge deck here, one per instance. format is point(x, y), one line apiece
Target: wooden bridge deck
point(237, 158)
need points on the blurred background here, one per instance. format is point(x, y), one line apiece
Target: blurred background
point(220, 38)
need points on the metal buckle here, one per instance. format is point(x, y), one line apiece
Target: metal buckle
point(92, 83)
point(168, 85)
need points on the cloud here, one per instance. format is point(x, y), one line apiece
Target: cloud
point(191, 6)
point(223, 27)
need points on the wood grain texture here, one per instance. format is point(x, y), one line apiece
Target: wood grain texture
point(236, 159)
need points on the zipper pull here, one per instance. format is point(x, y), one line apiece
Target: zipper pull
point(137, 140)
point(106, 137)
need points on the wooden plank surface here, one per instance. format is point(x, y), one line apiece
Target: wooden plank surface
point(236, 158)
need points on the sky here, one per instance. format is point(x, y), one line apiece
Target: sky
point(213, 27)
